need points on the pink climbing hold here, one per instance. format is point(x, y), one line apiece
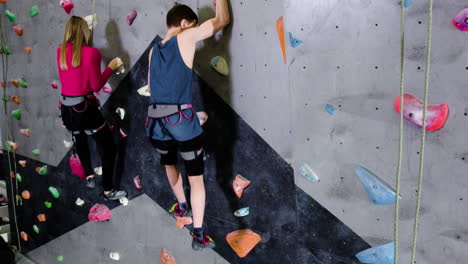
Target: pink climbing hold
point(76, 167)
point(99, 213)
point(436, 115)
point(460, 20)
point(131, 16)
point(54, 84)
point(67, 5)
point(137, 182)
point(107, 88)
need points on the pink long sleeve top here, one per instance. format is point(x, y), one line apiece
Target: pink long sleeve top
point(86, 78)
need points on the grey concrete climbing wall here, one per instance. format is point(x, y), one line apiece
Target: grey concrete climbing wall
point(350, 59)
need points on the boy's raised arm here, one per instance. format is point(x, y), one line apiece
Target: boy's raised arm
point(213, 25)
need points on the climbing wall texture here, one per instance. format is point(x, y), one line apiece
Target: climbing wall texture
point(350, 59)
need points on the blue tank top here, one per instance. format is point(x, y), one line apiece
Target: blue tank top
point(170, 78)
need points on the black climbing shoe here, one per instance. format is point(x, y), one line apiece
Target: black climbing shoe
point(198, 243)
point(115, 195)
point(183, 218)
point(91, 183)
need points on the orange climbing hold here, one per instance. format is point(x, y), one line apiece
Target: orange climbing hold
point(15, 99)
point(12, 175)
point(280, 30)
point(41, 217)
point(3, 84)
point(24, 236)
point(26, 195)
point(239, 184)
point(18, 30)
point(243, 241)
point(27, 50)
point(25, 132)
point(12, 145)
point(183, 221)
point(166, 257)
point(22, 163)
point(15, 83)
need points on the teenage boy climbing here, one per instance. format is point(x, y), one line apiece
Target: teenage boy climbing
point(172, 123)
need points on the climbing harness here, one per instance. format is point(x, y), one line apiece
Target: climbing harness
point(158, 112)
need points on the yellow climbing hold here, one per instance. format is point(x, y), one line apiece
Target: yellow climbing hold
point(220, 65)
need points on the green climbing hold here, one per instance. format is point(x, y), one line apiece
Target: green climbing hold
point(48, 204)
point(36, 152)
point(34, 11)
point(16, 114)
point(220, 65)
point(60, 258)
point(43, 170)
point(22, 82)
point(4, 99)
point(54, 192)
point(5, 50)
point(36, 229)
point(18, 177)
point(10, 15)
point(9, 147)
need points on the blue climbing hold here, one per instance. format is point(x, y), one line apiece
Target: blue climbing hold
point(294, 41)
point(407, 3)
point(307, 172)
point(377, 255)
point(330, 109)
point(379, 192)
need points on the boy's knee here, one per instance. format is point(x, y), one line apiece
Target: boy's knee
point(196, 180)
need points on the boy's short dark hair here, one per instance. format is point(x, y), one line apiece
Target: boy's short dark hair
point(178, 13)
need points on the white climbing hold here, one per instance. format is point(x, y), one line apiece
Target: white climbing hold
point(121, 112)
point(98, 171)
point(123, 201)
point(307, 172)
point(79, 202)
point(92, 21)
point(144, 91)
point(67, 144)
point(114, 255)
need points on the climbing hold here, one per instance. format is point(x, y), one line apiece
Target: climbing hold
point(121, 112)
point(11, 146)
point(54, 192)
point(67, 144)
point(166, 257)
point(107, 88)
point(92, 21)
point(280, 30)
point(3, 1)
point(15, 99)
point(144, 91)
point(4, 99)
point(25, 132)
point(18, 30)
point(220, 65)
point(27, 50)
point(379, 192)
point(181, 221)
point(16, 114)
point(22, 163)
point(79, 202)
point(122, 133)
point(12, 174)
point(242, 212)
point(5, 50)
point(239, 184)
point(36, 229)
point(382, 254)
point(34, 11)
point(67, 5)
point(41, 217)
point(54, 84)
point(19, 201)
point(26, 195)
point(76, 167)
point(18, 177)
point(294, 41)
point(98, 170)
point(48, 204)
point(131, 17)
point(114, 255)
point(15, 83)
point(99, 213)
point(307, 172)
point(330, 109)
point(137, 182)
point(22, 82)
point(24, 236)
point(36, 152)
point(42, 170)
point(124, 201)
point(2, 83)
point(60, 258)
point(460, 20)
point(202, 117)
point(243, 241)
point(436, 115)
point(10, 16)
point(407, 3)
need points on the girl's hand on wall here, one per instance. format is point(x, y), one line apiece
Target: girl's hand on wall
point(115, 63)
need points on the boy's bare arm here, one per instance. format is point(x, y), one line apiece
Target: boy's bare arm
point(213, 25)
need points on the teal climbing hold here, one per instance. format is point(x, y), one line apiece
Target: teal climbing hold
point(54, 192)
point(10, 15)
point(48, 204)
point(43, 170)
point(377, 255)
point(379, 192)
point(407, 3)
point(34, 11)
point(294, 41)
point(36, 152)
point(36, 229)
point(307, 172)
point(330, 109)
point(242, 212)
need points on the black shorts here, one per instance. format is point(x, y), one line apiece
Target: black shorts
point(83, 116)
point(168, 149)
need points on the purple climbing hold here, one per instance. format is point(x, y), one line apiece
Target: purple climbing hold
point(460, 20)
point(99, 213)
point(131, 16)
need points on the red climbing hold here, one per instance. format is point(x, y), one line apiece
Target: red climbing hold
point(137, 182)
point(67, 5)
point(18, 30)
point(243, 241)
point(76, 167)
point(15, 99)
point(107, 88)
point(436, 115)
point(239, 184)
point(460, 20)
point(25, 132)
point(99, 213)
point(131, 17)
point(15, 83)
point(54, 84)
point(27, 50)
